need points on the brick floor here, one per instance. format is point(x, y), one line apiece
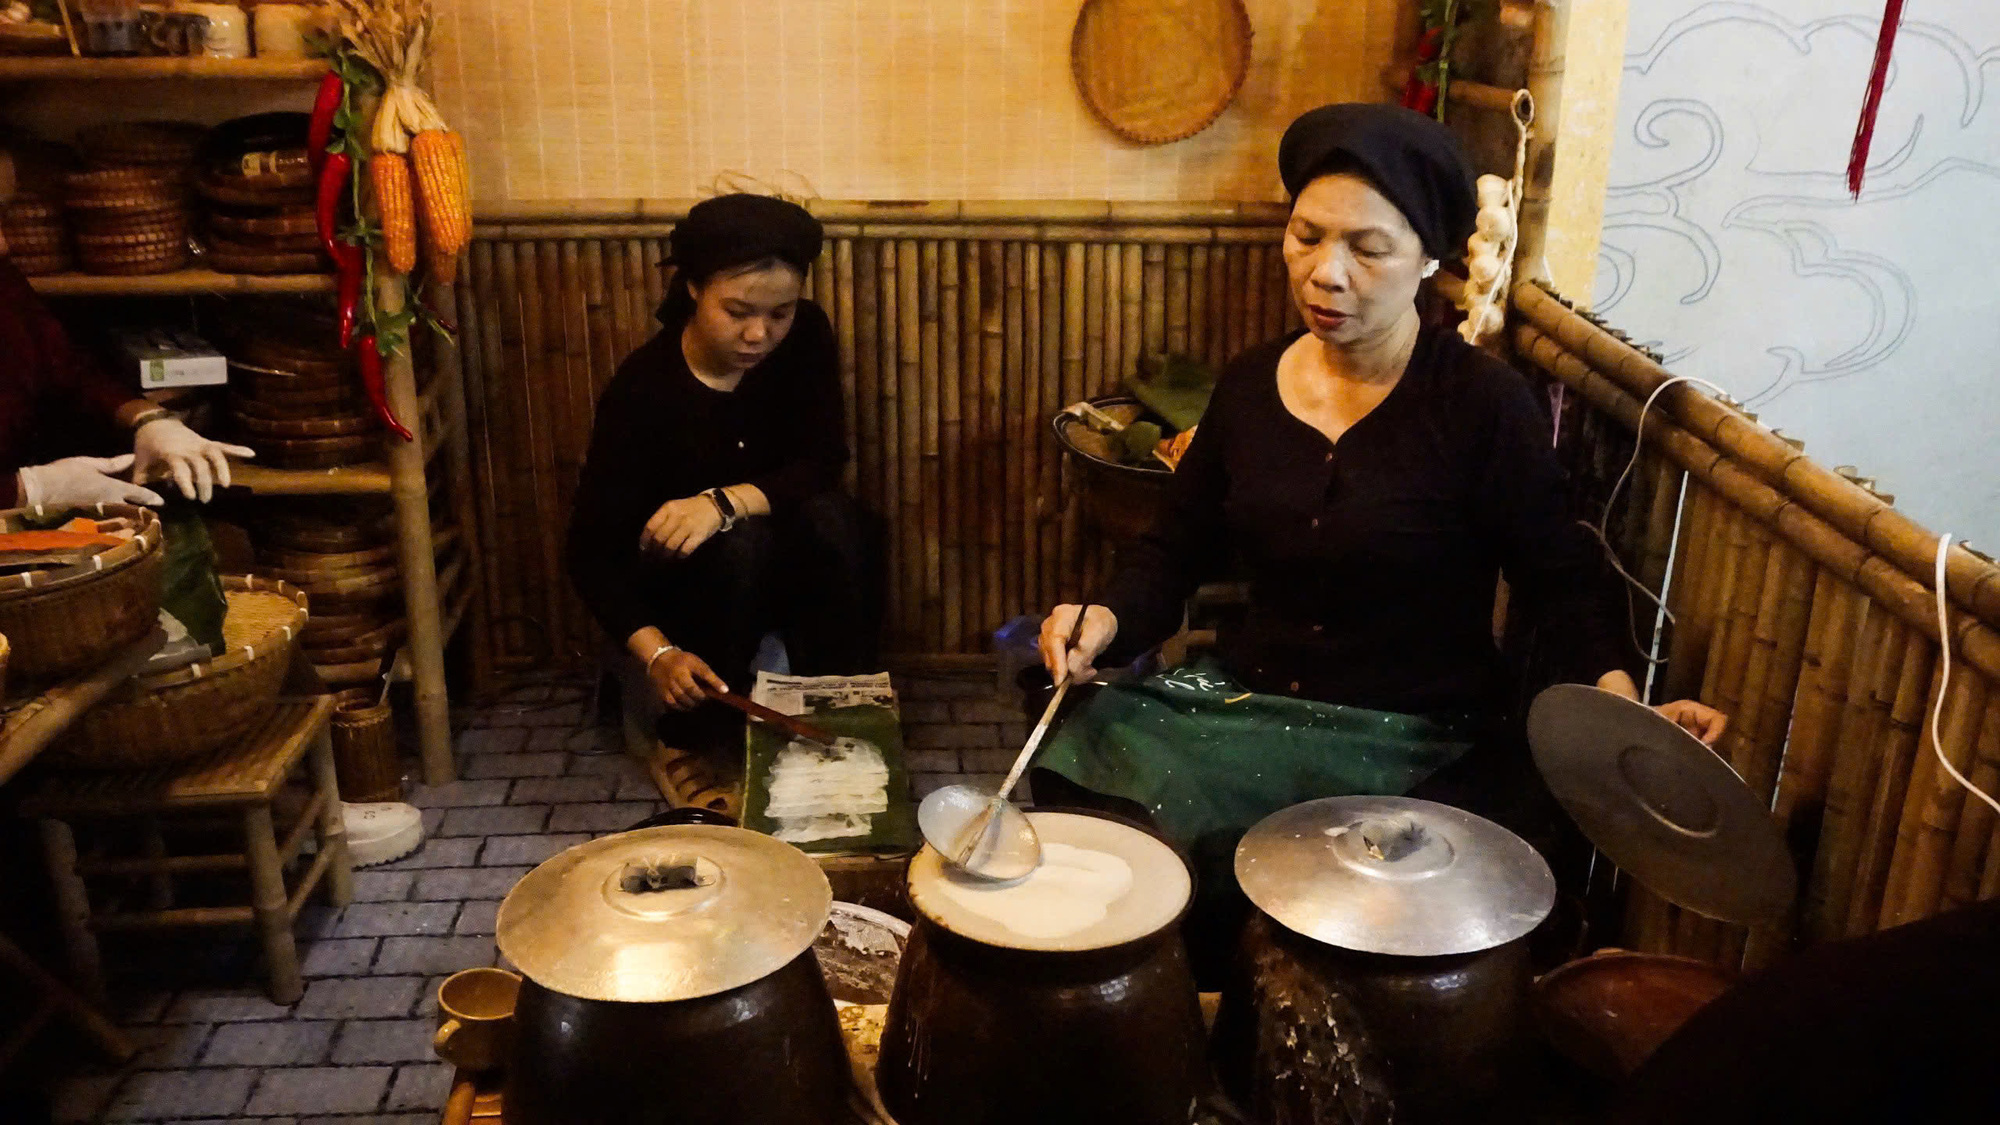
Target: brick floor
point(356, 1048)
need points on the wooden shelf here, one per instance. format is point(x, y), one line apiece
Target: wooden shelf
point(181, 283)
point(348, 480)
point(16, 69)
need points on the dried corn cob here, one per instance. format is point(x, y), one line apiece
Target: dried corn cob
point(389, 175)
point(437, 158)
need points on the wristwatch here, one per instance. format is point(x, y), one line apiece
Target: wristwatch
point(722, 505)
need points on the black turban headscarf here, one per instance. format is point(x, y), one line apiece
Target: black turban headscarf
point(736, 230)
point(1413, 160)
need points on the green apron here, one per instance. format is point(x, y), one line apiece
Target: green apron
point(1208, 759)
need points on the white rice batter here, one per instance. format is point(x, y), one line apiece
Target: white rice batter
point(1070, 892)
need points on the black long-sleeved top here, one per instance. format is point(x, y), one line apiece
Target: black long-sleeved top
point(661, 434)
point(1373, 560)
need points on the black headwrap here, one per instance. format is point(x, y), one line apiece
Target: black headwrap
point(736, 230)
point(1413, 160)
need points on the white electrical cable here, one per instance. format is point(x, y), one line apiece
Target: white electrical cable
point(1944, 678)
point(1602, 528)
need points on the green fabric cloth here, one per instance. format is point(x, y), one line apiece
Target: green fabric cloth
point(893, 832)
point(1208, 760)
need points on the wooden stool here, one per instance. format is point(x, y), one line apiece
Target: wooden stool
point(244, 777)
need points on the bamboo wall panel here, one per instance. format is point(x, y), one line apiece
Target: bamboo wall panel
point(1801, 604)
point(959, 338)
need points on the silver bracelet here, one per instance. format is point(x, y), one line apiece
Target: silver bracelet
point(665, 648)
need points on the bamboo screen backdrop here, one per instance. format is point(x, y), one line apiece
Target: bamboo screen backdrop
point(962, 330)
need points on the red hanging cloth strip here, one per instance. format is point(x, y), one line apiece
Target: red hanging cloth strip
point(1864, 131)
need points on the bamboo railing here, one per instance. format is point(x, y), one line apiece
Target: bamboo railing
point(963, 328)
point(1802, 606)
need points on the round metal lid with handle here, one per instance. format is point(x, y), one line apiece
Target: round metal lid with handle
point(1394, 875)
point(671, 913)
point(1101, 883)
point(1664, 807)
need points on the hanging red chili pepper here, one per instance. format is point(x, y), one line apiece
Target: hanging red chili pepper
point(319, 130)
point(1871, 98)
point(1419, 94)
point(349, 271)
point(377, 386)
point(326, 205)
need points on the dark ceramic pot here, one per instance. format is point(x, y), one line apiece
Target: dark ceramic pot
point(767, 1053)
point(1314, 1033)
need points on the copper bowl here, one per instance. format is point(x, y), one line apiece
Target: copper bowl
point(1610, 1011)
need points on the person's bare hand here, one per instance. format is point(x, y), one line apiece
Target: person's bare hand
point(681, 526)
point(683, 679)
point(1698, 719)
point(1099, 627)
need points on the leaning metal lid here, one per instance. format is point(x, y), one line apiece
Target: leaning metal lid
point(670, 913)
point(1394, 875)
point(1101, 883)
point(1664, 807)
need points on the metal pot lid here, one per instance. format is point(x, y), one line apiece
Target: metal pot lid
point(1101, 883)
point(1661, 805)
point(670, 913)
point(1394, 875)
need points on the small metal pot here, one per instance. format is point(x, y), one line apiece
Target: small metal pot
point(768, 1053)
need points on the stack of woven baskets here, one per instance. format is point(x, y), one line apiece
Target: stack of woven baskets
point(67, 620)
point(36, 237)
point(129, 208)
point(295, 395)
point(257, 186)
point(342, 553)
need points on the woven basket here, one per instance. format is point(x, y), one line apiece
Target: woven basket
point(173, 716)
point(1158, 71)
point(364, 747)
point(70, 620)
point(42, 264)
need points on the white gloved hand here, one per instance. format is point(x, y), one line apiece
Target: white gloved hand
point(166, 447)
point(79, 482)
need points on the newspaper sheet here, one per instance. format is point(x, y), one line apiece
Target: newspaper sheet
point(799, 695)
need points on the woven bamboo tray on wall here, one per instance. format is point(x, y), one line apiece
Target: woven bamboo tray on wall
point(962, 329)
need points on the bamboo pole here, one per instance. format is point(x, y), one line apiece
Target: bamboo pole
point(1857, 760)
point(1131, 298)
point(413, 552)
point(910, 376)
point(1690, 598)
point(1972, 582)
point(1074, 350)
point(930, 340)
point(514, 503)
point(1034, 438)
point(1256, 268)
point(569, 431)
point(1237, 300)
point(1108, 299)
point(1826, 667)
point(1197, 302)
point(972, 402)
point(844, 316)
point(536, 389)
point(992, 357)
point(1156, 299)
point(1934, 806)
point(1049, 509)
point(1008, 444)
point(1740, 562)
point(1216, 308)
point(482, 356)
point(868, 382)
point(951, 448)
point(1906, 719)
point(1880, 579)
point(1094, 315)
point(451, 365)
point(1772, 681)
point(890, 373)
point(1178, 270)
point(1976, 823)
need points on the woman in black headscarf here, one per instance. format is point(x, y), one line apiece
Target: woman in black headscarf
point(709, 511)
point(1375, 477)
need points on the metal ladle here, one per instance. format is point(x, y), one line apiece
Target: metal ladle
point(983, 834)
